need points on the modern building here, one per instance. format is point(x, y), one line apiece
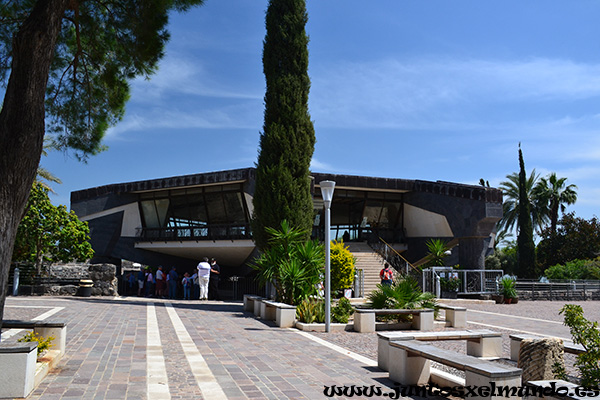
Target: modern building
point(178, 220)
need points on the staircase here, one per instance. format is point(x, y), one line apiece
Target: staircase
point(370, 262)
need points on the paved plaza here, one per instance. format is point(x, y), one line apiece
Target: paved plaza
point(137, 348)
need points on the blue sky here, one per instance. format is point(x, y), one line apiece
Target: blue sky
point(435, 90)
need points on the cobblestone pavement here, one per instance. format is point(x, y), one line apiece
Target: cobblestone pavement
point(215, 350)
point(107, 347)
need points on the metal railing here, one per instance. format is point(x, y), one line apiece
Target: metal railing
point(558, 289)
point(472, 281)
point(208, 232)
point(395, 259)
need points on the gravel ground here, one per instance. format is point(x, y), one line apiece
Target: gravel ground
point(366, 343)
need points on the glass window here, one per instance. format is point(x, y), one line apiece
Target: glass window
point(216, 208)
point(234, 207)
point(373, 212)
point(155, 212)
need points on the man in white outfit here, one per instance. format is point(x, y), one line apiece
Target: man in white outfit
point(203, 277)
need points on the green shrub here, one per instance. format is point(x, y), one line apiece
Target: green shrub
point(342, 267)
point(493, 262)
point(311, 310)
point(43, 343)
point(585, 333)
point(575, 269)
point(293, 266)
point(342, 311)
point(451, 284)
point(405, 293)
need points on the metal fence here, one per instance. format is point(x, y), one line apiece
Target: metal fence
point(472, 281)
point(558, 290)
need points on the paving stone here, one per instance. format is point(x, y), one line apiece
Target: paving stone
point(107, 359)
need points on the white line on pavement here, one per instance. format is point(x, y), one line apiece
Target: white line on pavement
point(158, 383)
point(207, 382)
point(516, 330)
point(48, 314)
point(29, 307)
point(357, 357)
point(41, 317)
point(515, 316)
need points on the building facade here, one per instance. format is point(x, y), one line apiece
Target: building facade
point(177, 221)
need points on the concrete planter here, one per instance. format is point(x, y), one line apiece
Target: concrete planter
point(321, 327)
point(22, 371)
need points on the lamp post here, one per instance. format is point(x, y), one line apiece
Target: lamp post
point(327, 188)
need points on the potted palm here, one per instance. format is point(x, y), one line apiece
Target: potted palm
point(449, 287)
point(508, 290)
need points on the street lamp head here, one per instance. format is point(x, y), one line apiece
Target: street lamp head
point(327, 188)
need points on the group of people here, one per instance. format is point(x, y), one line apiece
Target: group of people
point(203, 284)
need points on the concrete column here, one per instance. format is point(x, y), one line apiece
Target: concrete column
point(471, 252)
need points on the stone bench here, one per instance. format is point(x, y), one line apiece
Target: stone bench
point(364, 318)
point(43, 328)
point(410, 360)
point(480, 343)
point(252, 303)
point(455, 316)
point(515, 345)
point(283, 314)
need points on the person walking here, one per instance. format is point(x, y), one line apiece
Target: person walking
point(213, 286)
point(203, 277)
point(386, 275)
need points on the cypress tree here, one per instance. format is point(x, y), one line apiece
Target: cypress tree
point(287, 142)
point(525, 244)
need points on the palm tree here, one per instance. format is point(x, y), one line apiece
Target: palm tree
point(438, 251)
point(510, 206)
point(556, 194)
point(502, 239)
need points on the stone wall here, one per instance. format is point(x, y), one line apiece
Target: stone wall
point(103, 275)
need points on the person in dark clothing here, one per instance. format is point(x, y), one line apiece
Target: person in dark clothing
point(172, 282)
point(213, 283)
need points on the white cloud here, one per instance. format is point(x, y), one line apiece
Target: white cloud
point(178, 76)
point(430, 93)
point(228, 117)
point(319, 166)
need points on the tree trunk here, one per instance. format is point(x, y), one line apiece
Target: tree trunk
point(22, 122)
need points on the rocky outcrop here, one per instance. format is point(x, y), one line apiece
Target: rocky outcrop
point(105, 279)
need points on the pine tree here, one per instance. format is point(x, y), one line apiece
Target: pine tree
point(65, 65)
point(525, 244)
point(287, 142)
